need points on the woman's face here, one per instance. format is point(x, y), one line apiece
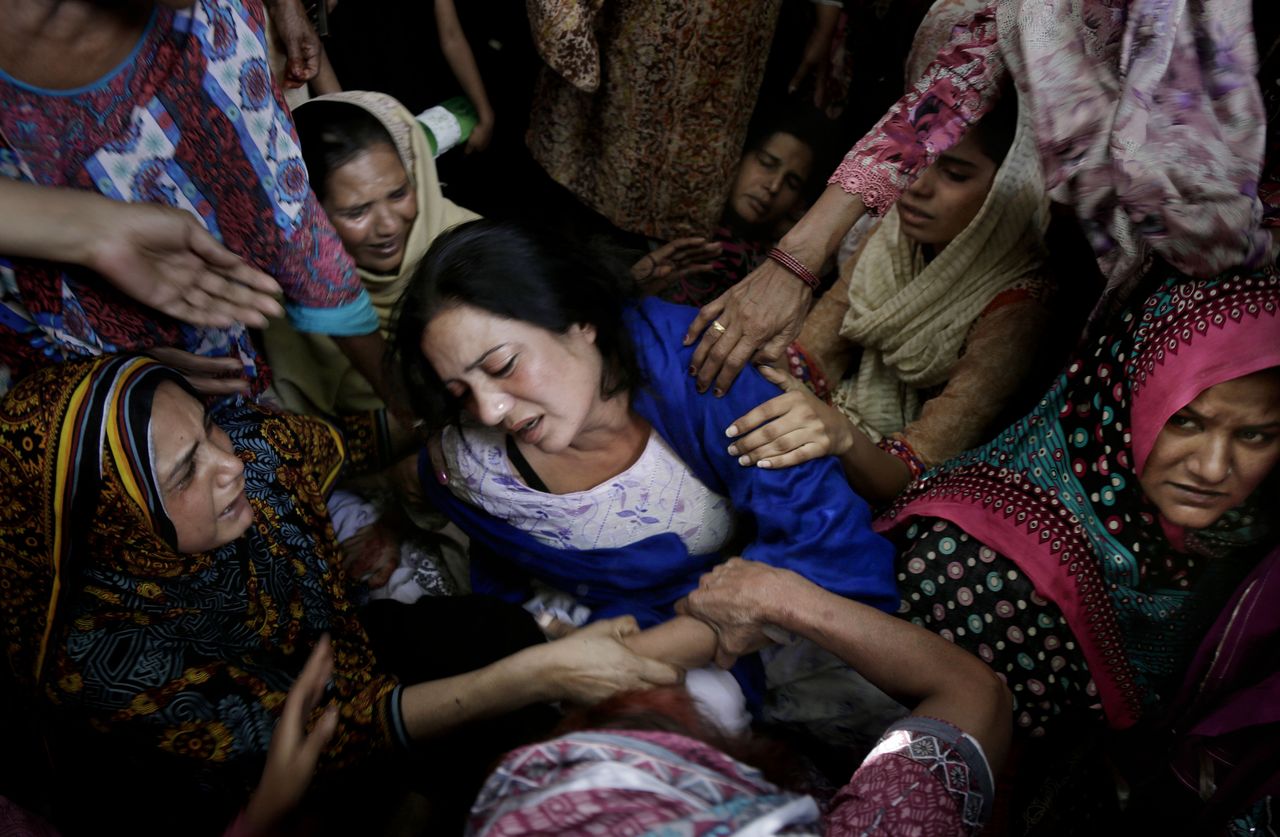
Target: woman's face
point(770, 180)
point(372, 206)
point(200, 476)
point(1214, 452)
point(540, 386)
point(947, 196)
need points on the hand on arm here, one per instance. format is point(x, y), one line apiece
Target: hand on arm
point(660, 267)
point(158, 255)
point(906, 661)
point(587, 666)
point(763, 313)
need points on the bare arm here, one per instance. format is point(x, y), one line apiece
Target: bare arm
point(682, 641)
point(366, 353)
point(453, 43)
point(906, 661)
point(584, 667)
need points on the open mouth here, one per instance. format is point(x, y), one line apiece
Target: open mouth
point(528, 430)
point(912, 215)
point(239, 504)
point(386, 249)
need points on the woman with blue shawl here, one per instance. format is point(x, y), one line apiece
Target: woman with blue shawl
point(588, 463)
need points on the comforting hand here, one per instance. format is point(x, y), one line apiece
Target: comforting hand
point(299, 39)
point(592, 664)
point(673, 260)
point(294, 753)
point(207, 375)
point(758, 317)
point(735, 599)
point(795, 427)
point(162, 257)
point(371, 555)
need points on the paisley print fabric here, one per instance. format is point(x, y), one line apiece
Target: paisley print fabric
point(190, 120)
point(186, 654)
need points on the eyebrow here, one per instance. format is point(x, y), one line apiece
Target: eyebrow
point(484, 357)
point(1200, 417)
point(184, 461)
point(952, 160)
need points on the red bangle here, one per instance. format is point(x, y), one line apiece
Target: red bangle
point(792, 264)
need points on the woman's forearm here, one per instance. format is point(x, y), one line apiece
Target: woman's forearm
point(877, 475)
point(44, 222)
point(439, 706)
point(682, 641)
point(817, 235)
point(461, 60)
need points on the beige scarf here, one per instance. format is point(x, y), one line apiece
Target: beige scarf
point(311, 373)
point(912, 318)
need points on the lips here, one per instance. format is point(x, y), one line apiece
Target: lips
point(1189, 495)
point(758, 204)
point(912, 215)
point(236, 506)
point(529, 430)
point(386, 248)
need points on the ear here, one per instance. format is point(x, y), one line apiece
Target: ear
point(587, 331)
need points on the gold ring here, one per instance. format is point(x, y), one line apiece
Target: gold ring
point(720, 329)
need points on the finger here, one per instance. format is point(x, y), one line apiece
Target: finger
point(657, 673)
point(692, 269)
point(774, 350)
point(806, 452)
point(231, 301)
point(622, 626)
point(707, 313)
point(754, 418)
point(738, 357)
point(232, 267)
point(189, 362)
point(217, 386)
point(776, 376)
point(309, 686)
point(724, 659)
point(722, 346)
point(314, 743)
point(682, 607)
point(786, 442)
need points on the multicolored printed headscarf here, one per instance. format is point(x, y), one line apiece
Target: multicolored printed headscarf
point(1058, 493)
point(189, 654)
point(74, 448)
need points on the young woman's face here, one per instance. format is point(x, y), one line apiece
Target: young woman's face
point(200, 476)
point(947, 196)
point(1214, 452)
point(770, 180)
point(372, 206)
point(540, 386)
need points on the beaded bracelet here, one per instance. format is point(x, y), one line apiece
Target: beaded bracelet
point(807, 371)
point(793, 265)
point(903, 451)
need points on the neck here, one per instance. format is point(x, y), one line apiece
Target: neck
point(63, 44)
point(610, 422)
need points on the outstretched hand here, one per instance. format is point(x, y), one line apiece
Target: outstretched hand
point(755, 319)
point(163, 258)
point(795, 427)
point(294, 752)
point(592, 663)
point(678, 258)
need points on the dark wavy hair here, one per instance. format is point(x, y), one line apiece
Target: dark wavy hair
point(514, 272)
point(332, 134)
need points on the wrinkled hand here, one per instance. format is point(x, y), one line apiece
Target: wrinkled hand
point(761, 315)
point(294, 753)
point(592, 664)
point(481, 135)
point(163, 258)
point(371, 555)
point(299, 39)
point(207, 375)
point(674, 260)
point(795, 427)
point(734, 599)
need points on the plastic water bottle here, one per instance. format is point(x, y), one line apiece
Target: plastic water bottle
point(448, 124)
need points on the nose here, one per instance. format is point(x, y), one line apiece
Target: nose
point(229, 466)
point(490, 407)
point(385, 222)
point(1210, 463)
point(774, 184)
point(924, 185)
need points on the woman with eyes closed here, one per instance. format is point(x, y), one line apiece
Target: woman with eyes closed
point(375, 176)
point(579, 457)
point(164, 576)
point(931, 330)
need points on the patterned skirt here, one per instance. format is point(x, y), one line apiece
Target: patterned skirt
point(970, 594)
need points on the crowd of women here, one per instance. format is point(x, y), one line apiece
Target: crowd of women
point(328, 505)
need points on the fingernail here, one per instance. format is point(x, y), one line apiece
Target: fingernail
point(733, 450)
point(764, 463)
point(442, 478)
point(731, 431)
point(719, 393)
point(744, 460)
point(702, 389)
point(687, 341)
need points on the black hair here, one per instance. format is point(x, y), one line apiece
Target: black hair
point(995, 131)
point(332, 134)
point(514, 272)
point(805, 123)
